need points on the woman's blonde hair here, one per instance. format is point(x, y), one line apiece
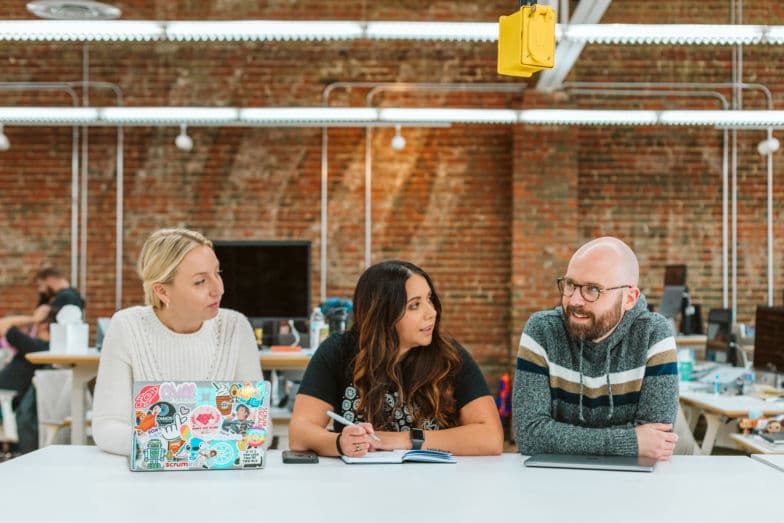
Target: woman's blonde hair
point(161, 255)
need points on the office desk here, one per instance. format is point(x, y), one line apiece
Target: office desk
point(85, 367)
point(774, 460)
point(68, 483)
point(754, 444)
point(690, 340)
point(720, 407)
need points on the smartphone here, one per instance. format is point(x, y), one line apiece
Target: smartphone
point(297, 456)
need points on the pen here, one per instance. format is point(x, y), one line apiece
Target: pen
point(344, 421)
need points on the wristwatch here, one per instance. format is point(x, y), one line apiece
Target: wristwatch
point(417, 438)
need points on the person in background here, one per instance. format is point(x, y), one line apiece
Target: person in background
point(395, 376)
point(597, 375)
point(54, 292)
point(181, 333)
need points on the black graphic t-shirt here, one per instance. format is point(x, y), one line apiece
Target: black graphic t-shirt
point(67, 296)
point(329, 377)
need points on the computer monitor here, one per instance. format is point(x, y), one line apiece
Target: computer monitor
point(718, 336)
point(769, 339)
point(266, 280)
point(671, 300)
point(101, 327)
point(675, 275)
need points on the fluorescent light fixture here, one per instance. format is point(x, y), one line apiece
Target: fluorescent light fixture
point(733, 119)
point(774, 35)
point(671, 34)
point(48, 115)
point(259, 30)
point(587, 117)
point(460, 31)
point(440, 115)
point(5, 144)
point(289, 115)
point(168, 115)
point(81, 31)
point(371, 116)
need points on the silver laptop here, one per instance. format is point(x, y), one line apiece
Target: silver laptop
point(200, 425)
point(563, 461)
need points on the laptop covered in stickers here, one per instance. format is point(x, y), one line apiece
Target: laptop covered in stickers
point(200, 425)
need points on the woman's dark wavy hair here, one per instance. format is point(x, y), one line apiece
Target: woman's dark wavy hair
point(424, 379)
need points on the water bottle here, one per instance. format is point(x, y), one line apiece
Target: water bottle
point(317, 326)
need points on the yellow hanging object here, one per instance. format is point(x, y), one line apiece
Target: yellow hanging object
point(526, 41)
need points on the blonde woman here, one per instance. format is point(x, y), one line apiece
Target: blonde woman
point(181, 333)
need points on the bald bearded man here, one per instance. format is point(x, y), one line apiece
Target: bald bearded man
point(598, 374)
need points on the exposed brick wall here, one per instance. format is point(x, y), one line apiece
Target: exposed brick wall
point(492, 212)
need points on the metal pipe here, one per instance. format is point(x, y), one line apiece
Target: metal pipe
point(51, 86)
point(68, 87)
point(770, 220)
point(724, 172)
point(85, 139)
point(725, 167)
point(376, 87)
point(467, 87)
point(739, 85)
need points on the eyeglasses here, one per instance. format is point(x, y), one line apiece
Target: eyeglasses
point(589, 291)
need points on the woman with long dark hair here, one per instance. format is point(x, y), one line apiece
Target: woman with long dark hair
point(395, 376)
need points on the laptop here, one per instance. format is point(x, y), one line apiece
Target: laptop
point(563, 461)
point(773, 437)
point(200, 425)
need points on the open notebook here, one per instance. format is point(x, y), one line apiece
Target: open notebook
point(400, 456)
point(199, 425)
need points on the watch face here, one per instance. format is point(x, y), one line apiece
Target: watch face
point(417, 434)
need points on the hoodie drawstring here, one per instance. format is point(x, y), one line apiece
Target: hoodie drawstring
point(607, 375)
point(609, 386)
point(581, 380)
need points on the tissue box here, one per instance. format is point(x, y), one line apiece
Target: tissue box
point(68, 338)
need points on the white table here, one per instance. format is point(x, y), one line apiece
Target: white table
point(755, 444)
point(774, 460)
point(70, 483)
point(717, 406)
point(85, 367)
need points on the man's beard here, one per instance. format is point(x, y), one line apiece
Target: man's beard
point(598, 327)
point(46, 297)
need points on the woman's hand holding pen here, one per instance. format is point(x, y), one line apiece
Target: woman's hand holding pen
point(355, 440)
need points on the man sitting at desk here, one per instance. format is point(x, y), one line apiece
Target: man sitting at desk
point(55, 292)
point(597, 375)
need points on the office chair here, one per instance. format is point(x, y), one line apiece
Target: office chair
point(8, 431)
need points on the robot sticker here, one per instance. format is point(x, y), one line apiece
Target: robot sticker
point(154, 455)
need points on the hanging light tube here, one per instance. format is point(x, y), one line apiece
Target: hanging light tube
point(169, 115)
point(309, 30)
point(261, 30)
point(388, 116)
point(81, 31)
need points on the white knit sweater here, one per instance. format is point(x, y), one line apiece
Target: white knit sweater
point(138, 347)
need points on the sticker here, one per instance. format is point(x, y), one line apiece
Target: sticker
point(146, 397)
point(154, 454)
point(222, 454)
point(205, 420)
point(251, 458)
point(256, 437)
point(182, 393)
